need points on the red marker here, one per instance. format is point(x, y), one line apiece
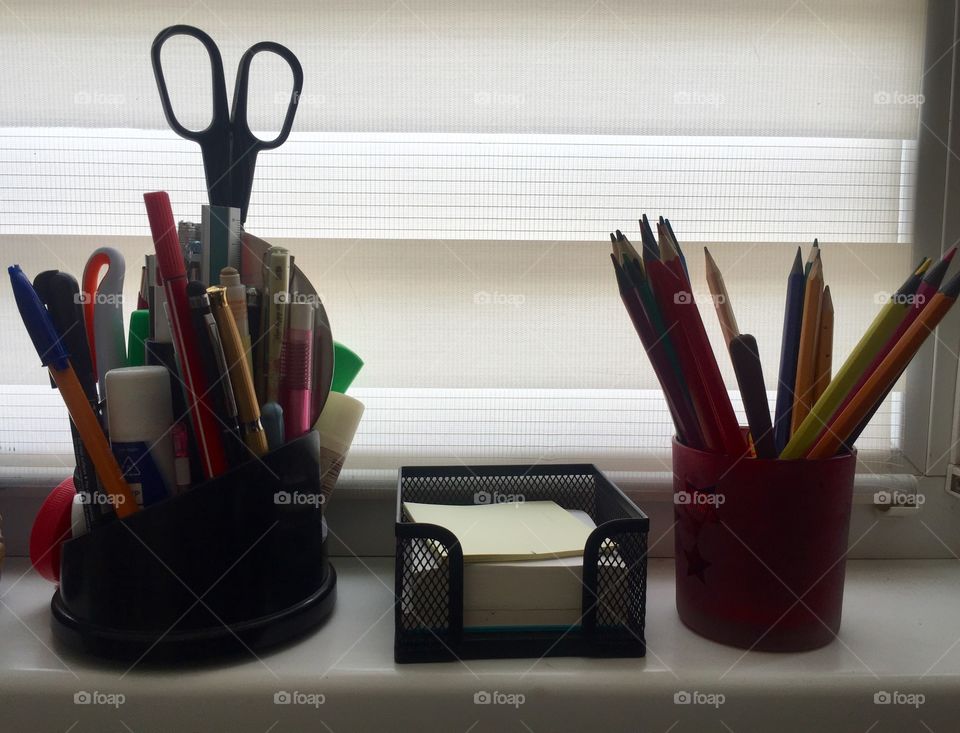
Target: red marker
point(197, 388)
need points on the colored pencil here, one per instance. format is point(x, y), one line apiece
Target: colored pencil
point(824, 345)
point(933, 276)
point(884, 377)
point(814, 254)
point(676, 243)
point(650, 248)
point(712, 402)
point(803, 388)
point(789, 348)
point(721, 300)
point(683, 418)
point(876, 335)
point(746, 364)
point(637, 276)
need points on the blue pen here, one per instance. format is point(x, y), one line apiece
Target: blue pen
point(789, 351)
point(49, 346)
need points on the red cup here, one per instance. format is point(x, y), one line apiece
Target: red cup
point(761, 547)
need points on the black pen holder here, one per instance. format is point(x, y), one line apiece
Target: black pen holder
point(238, 563)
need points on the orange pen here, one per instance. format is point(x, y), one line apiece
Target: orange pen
point(886, 374)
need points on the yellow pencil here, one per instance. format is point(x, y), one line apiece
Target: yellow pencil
point(803, 390)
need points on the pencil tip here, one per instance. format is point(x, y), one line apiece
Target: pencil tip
point(952, 288)
point(950, 253)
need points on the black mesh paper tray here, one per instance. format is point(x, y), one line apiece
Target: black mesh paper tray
point(429, 566)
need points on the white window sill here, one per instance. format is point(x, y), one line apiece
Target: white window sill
point(899, 634)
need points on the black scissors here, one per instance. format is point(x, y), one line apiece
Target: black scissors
point(228, 146)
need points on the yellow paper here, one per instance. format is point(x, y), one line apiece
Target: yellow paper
point(531, 530)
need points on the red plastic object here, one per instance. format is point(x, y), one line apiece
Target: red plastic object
point(761, 547)
point(51, 528)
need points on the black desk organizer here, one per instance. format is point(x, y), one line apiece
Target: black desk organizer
point(614, 586)
point(129, 589)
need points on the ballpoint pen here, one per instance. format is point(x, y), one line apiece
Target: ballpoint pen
point(251, 430)
point(215, 364)
point(206, 428)
point(53, 355)
point(236, 295)
point(59, 292)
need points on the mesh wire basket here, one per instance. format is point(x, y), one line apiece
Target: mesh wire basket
point(429, 566)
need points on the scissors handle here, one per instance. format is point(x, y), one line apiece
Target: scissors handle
point(246, 145)
point(219, 119)
point(238, 114)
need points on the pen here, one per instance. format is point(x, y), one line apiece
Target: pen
point(53, 355)
point(251, 430)
point(236, 294)
point(253, 325)
point(59, 292)
point(215, 363)
point(213, 458)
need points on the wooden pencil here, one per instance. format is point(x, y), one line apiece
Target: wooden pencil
point(721, 300)
point(873, 339)
point(675, 296)
point(885, 376)
point(789, 348)
point(684, 420)
point(824, 360)
point(803, 389)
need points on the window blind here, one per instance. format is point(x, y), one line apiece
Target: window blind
point(453, 174)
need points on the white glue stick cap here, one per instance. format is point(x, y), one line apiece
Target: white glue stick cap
point(138, 403)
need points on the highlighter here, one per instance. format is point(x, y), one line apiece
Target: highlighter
point(346, 366)
point(139, 333)
point(296, 370)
